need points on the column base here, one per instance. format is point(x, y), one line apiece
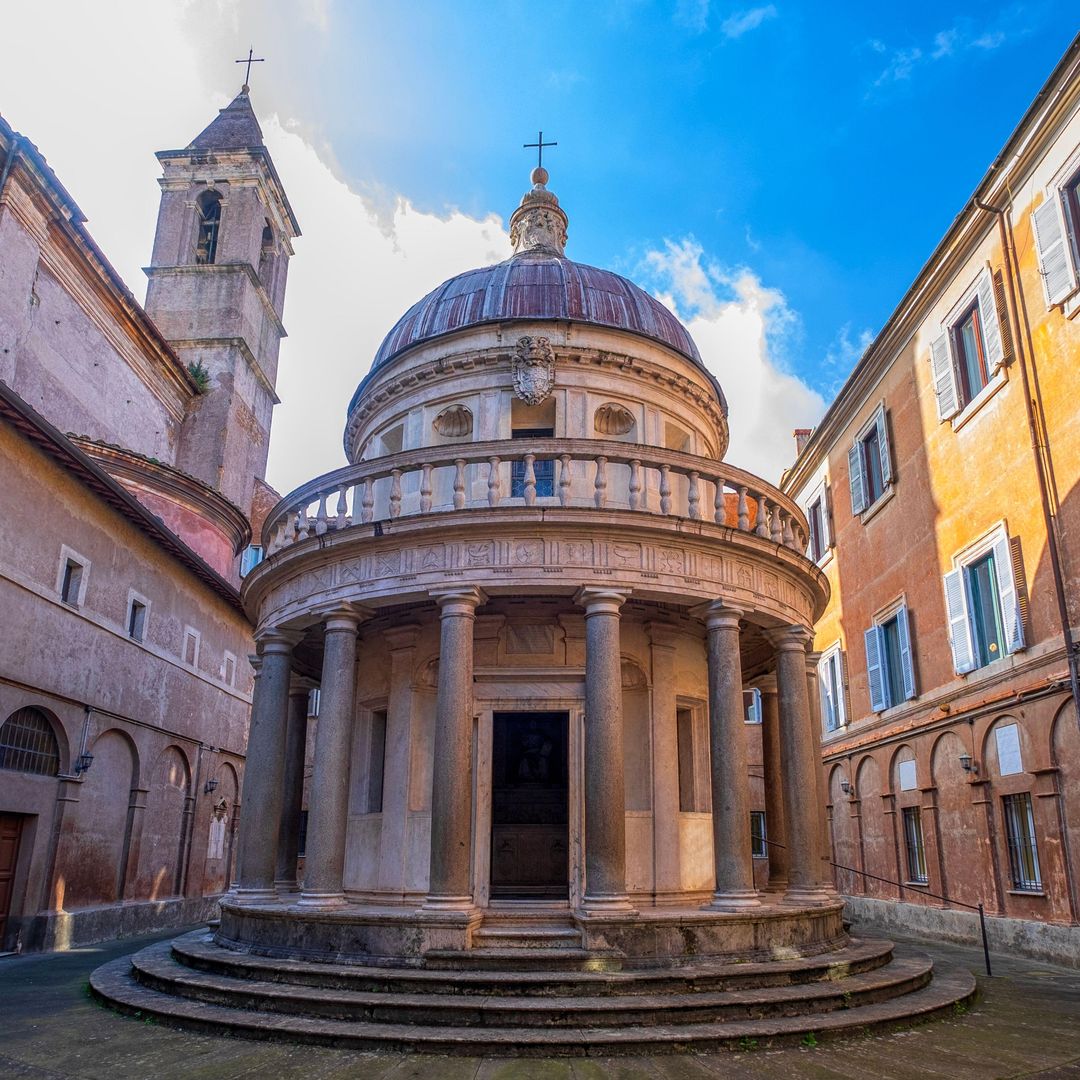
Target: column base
point(321, 900)
point(242, 895)
point(733, 900)
point(448, 903)
point(284, 887)
point(606, 905)
point(809, 896)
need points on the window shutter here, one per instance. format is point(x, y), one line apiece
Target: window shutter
point(991, 327)
point(1051, 240)
point(826, 517)
point(941, 366)
point(855, 479)
point(841, 686)
point(828, 704)
point(755, 706)
point(875, 671)
point(907, 661)
point(1011, 622)
point(959, 626)
point(883, 445)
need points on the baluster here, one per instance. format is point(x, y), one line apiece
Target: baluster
point(321, 522)
point(395, 493)
point(601, 483)
point(635, 484)
point(565, 479)
point(800, 541)
point(530, 480)
point(367, 503)
point(494, 482)
point(425, 488)
point(341, 521)
point(459, 484)
point(762, 526)
point(719, 505)
point(303, 524)
point(788, 534)
point(282, 538)
point(693, 498)
point(665, 489)
point(777, 528)
point(744, 511)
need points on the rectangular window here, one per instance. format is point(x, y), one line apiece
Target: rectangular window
point(313, 702)
point(228, 669)
point(301, 846)
point(1056, 227)
point(252, 556)
point(376, 762)
point(693, 766)
point(913, 843)
point(831, 683)
point(1023, 849)
point(71, 583)
point(136, 620)
point(985, 601)
point(816, 518)
point(970, 353)
point(752, 705)
point(869, 463)
point(544, 471)
point(191, 647)
point(889, 665)
point(759, 847)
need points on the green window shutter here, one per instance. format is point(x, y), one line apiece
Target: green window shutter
point(882, 422)
point(855, 479)
point(1011, 622)
point(875, 669)
point(991, 326)
point(941, 365)
point(959, 624)
point(907, 661)
point(1051, 242)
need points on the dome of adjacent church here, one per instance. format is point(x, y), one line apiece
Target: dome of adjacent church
point(537, 282)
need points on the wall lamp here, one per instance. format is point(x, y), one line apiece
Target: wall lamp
point(210, 786)
point(84, 762)
point(968, 765)
point(845, 786)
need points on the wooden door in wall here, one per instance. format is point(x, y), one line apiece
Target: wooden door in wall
point(529, 806)
point(10, 830)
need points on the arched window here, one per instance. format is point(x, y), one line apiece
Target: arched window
point(208, 209)
point(266, 256)
point(27, 743)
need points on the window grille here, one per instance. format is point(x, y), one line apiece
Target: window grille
point(759, 849)
point(27, 744)
point(1023, 849)
point(913, 841)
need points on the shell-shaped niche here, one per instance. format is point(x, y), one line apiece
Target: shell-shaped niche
point(454, 421)
point(612, 419)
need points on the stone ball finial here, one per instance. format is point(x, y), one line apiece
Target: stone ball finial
point(539, 176)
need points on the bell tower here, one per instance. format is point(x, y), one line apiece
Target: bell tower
point(217, 289)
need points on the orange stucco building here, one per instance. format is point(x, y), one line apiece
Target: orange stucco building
point(943, 489)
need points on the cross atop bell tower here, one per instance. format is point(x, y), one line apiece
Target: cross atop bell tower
point(217, 290)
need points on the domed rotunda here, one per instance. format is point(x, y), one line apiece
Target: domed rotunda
point(567, 741)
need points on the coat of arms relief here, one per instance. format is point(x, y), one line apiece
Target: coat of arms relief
point(534, 369)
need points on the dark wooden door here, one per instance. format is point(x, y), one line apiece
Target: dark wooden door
point(529, 806)
point(10, 830)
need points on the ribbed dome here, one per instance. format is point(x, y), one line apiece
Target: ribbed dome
point(536, 285)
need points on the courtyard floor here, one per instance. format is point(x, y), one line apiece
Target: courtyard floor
point(1025, 1023)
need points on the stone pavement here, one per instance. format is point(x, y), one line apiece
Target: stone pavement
point(1026, 1023)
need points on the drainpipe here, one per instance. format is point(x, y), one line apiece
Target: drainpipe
point(1040, 442)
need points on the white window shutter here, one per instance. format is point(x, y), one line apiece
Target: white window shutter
point(826, 518)
point(991, 325)
point(883, 445)
point(959, 624)
point(907, 661)
point(1051, 241)
point(841, 686)
point(875, 669)
point(941, 366)
point(855, 479)
point(1011, 621)
point(828, 703)
point(755, 706)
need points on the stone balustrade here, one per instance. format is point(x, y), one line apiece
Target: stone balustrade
point(583, 474)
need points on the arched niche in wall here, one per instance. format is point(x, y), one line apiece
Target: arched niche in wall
point(216, 869)
point(161, 842)
point(454, 422)
point(844, 838)
point(637, 767)
point(963, 850)
point(613, 421)
point(877, 843)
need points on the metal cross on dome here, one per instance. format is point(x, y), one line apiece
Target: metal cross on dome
point(539, 145)
point(250, 59)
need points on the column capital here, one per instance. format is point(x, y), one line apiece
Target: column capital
point(276, 639)
point(812, 659)
point(342, 616)
point(458, 600)
point(790, 638)
point(256, 662)
point(600, 600)
point(720, 615)
point(301, 684)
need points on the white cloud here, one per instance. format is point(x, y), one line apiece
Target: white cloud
point(742, 22)
point(950, 43)
point(692, 14)
point(842, 355)
point(740, 326)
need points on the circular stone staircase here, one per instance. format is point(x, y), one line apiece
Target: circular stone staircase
point(547, 1000)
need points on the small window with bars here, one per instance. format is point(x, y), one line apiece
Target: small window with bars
point(28, 745)
point(136, 619)
point(759, 847)
point(301, 845)
point(71, 582)
point(913, 844)
point(1023, 848)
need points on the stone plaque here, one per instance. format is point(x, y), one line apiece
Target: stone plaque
point(530, 638)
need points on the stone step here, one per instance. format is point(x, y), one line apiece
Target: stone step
point(155, 967)
point(115, 984)
point(531, 936)
point(197, 950)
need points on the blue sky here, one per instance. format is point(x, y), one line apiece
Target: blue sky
point(777, 172)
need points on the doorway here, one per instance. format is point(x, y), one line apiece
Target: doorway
point(10, 831)
point(529, 806)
